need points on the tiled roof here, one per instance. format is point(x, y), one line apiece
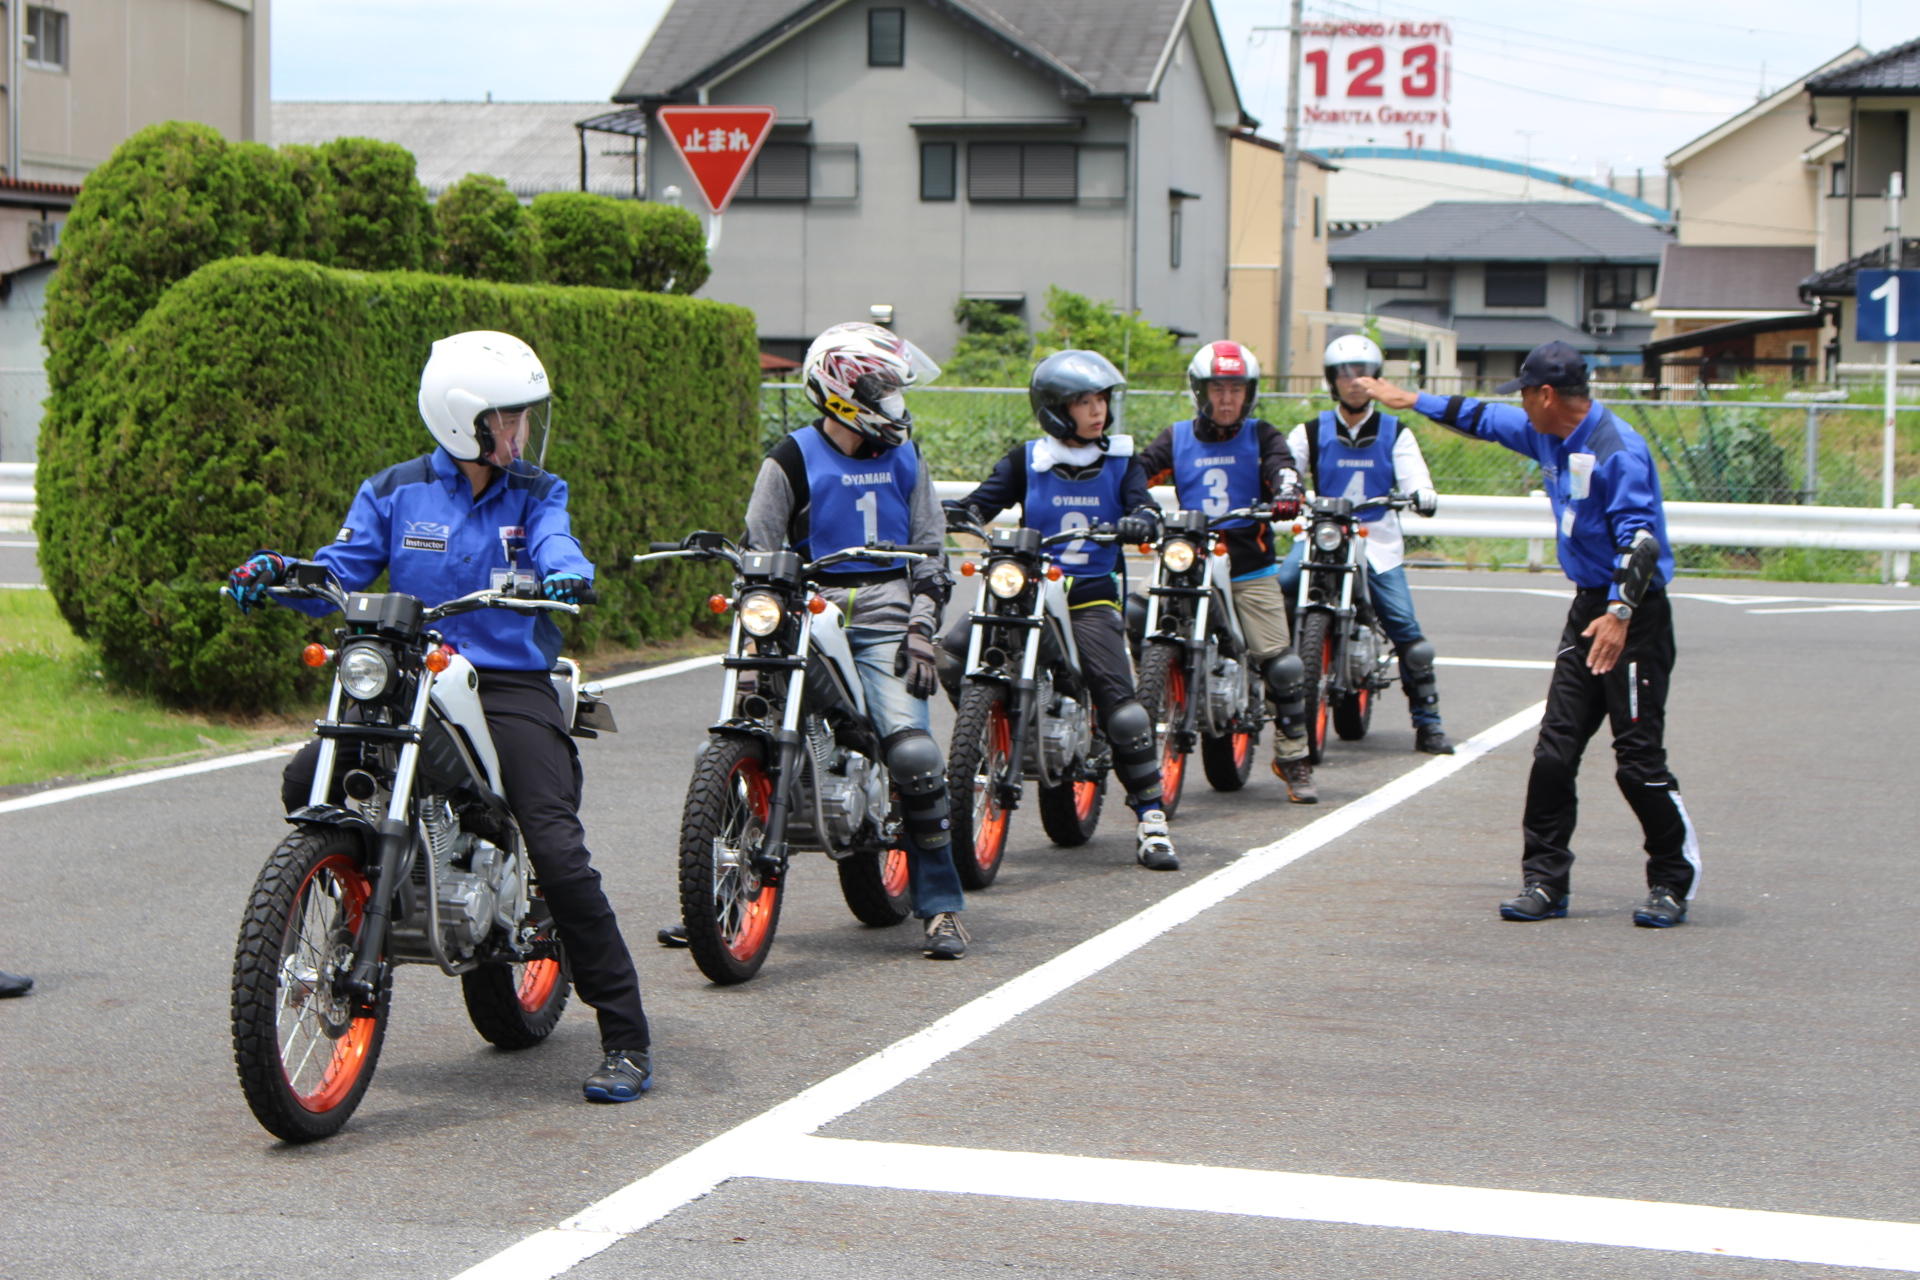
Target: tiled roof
point(1098, 46)
point(1489, 231)
point(531, 146)
point(1837, 281)
point(1713, 277)
point(1892, 71)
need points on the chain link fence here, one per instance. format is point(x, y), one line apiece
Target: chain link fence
point(1825, 453)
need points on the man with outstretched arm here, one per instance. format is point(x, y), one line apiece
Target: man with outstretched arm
point(1617, 650)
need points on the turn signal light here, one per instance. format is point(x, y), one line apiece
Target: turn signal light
point(1146, 548)
point(316, 655)
point(438, 660)
point(1220, 547)
point(719, 604)
point(968, 568)
point(1362, 531)
point(1298, 528)
point(1053, 573)
point(816, 604)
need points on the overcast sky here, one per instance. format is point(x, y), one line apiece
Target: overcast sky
point(1576, 86)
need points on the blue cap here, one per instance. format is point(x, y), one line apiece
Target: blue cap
point(1551, 364)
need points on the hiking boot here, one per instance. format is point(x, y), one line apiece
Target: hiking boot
point(624, 1076)
point(1156, 846)
point(1432, 739)
point(1298, 775)
point(1663, 909)
point(1536, 902)
point(946, 937)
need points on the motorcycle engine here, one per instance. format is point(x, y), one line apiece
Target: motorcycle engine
point(1366, 657)
point(1066, 736)
point(489, 890)
point(853, 792)
point(1226, 694)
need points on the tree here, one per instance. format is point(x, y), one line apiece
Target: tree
point(995, 350)
point(1145, 352)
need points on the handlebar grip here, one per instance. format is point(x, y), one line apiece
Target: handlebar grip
point(663, 546)
point(588, 596)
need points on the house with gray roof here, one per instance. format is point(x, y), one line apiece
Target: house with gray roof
point(1506, 277)
point(929, 151)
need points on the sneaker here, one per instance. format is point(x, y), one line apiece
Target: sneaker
point(946, 937)
point(14, 984)
point(1156, 846)
point(1663, 909)
point(1536, 902)
point(674, 935)
point(624, 1076)
point(1432, 739)
point(1298, 775)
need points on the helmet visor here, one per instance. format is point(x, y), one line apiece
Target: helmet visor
point(1354, 369)
point(518, 433)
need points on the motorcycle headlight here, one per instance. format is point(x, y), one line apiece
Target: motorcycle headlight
point(761, 614)
point(1006, 579)
point(1178, 555)
point(366, 672)
point(1328, 536)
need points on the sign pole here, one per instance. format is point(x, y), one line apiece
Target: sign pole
point(1894, 192)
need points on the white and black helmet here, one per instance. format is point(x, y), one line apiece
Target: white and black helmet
point(1062, 378)
point(1223, 362)
point(854, 373)
point(470, 381)
point(1355, 355)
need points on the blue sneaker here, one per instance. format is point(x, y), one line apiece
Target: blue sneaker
point(1663, 909)
point(624, 1076)
point(1536, 902)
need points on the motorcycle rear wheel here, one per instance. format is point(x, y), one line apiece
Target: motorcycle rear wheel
point(305, 1055)
point(1227, 760)
point(730, 911)
point(1315, 645)
point(1163, 691)
point(1070, 812)
point(876, 887)
point(982, 748)
point(1353, 714)
point(516, 1006)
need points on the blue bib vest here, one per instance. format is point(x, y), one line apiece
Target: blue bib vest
point(1054, 505)
point(855, 502)
point(1356, 474)
point(1216, 477)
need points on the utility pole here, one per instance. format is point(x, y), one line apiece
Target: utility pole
point(1290, 202)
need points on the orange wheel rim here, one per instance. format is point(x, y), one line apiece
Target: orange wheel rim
point(893, 872)
point(537, 980)
point(1084, 794)
point(1242, 748)
point(346, 1056)
point(1173, 762)
point(989, 818)
point(755, 918)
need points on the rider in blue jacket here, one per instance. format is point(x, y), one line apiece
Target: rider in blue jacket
point(476, 513)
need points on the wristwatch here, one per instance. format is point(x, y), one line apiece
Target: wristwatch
point(1621, 610)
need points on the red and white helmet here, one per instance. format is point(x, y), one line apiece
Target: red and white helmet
point(854, 373)
point(1223, 362)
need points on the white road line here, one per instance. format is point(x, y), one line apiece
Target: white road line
point(1845, 608)
point(85, 789)
point(736, 1152)
point(1736, 599)
point(1511, 664)
point(1371, 1202)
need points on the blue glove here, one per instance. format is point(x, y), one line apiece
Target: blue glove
point(567, 588)
point(248, 584)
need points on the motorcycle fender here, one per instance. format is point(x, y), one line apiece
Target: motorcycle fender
point(332, 815)
point(830, 638)
point(456, 692)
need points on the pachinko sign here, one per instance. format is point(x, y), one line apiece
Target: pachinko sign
point(1380, 83)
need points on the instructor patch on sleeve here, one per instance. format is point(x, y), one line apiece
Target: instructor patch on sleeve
point(345, 535)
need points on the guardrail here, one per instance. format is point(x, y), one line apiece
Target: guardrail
point(1895, 531)
point(16, 497)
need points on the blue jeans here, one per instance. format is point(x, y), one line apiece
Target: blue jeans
point(931, 878)
point(1392, 602)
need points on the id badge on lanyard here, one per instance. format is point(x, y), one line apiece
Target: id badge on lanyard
point(518, 572)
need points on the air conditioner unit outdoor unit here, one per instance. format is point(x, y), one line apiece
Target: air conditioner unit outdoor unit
point(1602, 319)
point(43, 237)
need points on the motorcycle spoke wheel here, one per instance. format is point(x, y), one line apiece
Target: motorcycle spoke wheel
point(1163, 691)
point(1315, 647)
point(730, 910)
point(1227, 760)
point(1353, 715)
point(982, 749)
point(515, 1006)
point(877, 886)
point(304, 1053)
point(1071, 811)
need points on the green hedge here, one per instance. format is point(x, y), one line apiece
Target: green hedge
point(246, 406)
point(486, 233)
point(383, 221)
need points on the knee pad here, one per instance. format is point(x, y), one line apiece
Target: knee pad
point(1130, 730)
point(1416, 674)
point(1286, 677)
point(919, 772)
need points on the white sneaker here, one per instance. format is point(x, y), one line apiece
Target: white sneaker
point(1156, 847)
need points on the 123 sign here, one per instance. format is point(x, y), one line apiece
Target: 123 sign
point(1888, 306)
point(1377, 82)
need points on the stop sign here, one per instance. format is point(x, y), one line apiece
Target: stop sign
point(717, 144)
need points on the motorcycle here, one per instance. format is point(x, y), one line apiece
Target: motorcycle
point(1025, 710)
point(1336, 632)
point(1195, 677)
point(792, 762)
point(405, 853)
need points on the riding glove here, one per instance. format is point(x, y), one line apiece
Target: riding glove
point(915, 662)
point(248, 583)
point(1137, 528)
point(568, 588)
point(1425, 502)
point(1286, 503)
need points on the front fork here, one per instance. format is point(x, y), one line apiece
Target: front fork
point(770, 862)
point(393, 834)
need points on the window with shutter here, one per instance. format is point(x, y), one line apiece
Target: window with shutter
point(1032, 171)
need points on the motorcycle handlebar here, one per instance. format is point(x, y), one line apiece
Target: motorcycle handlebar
point(1092, 533)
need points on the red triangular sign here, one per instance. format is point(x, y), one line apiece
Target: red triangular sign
point(717, 144)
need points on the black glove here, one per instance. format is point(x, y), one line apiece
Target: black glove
point(567, 588)
point(249, 582)
point(1137, 528)
point(960, 514)
point(1425, 502)
point(915, 661)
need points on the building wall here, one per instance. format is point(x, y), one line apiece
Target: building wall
point(1254, 242)
point(23, 380)
point(1180, 147)
point(1752, 187)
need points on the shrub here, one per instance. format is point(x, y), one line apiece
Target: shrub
point(584, 239)
point(384, 222)
point(669, 248)
point(485, 232)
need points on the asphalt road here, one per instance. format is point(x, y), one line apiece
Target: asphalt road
point(1331, 1061)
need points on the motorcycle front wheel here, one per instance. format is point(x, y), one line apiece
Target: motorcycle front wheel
point(982, 749)
point(1315, 645)
point(730, 910)
point(516, 1006)
point(1163, 691)
point(304, 1052)
point(876, 886)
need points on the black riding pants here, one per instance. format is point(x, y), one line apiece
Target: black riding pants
point(540, 771)
point(1632, 697)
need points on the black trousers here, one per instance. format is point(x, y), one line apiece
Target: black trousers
point(540, 770)
point(1632, 697)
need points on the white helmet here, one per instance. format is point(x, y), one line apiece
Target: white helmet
point(1355, 355)
point(1224, 362)
point(484, 374)
point(854, 373)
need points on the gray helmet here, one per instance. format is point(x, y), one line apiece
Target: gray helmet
point(1064, 375)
